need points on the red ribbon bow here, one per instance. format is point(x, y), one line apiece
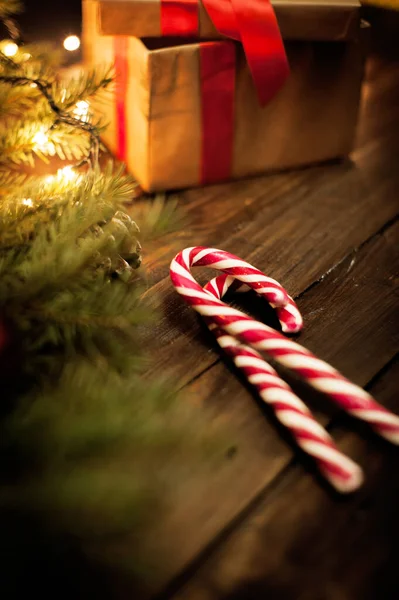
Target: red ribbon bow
point(252, 22)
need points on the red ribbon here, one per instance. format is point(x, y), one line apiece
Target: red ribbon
point(217, 69)
point(179, 17)
point(121, 79)
point(263, 45)
point(253, 23)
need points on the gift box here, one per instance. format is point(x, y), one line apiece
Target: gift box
point(186, 111)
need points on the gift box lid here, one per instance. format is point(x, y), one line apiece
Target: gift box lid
point(318, 20)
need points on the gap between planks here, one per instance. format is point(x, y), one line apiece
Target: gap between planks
point(351, 255)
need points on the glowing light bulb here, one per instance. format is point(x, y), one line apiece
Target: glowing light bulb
point(41, 141)
point(67, 174)
point(81, 110)
point(71, 43)
point(9, 49)
point(27, 201)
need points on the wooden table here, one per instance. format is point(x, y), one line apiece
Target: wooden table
point(255, 522)
point(260, 524)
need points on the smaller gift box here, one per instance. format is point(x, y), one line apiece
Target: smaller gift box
point(187, 112)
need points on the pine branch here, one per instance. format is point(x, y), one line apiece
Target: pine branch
point(158, 216)
point(45, 57)
point(46, 90)
point(10, 181)
point(19, 146)
point(63, 247)
point(58, 277)
point(141, 435)
point(9, 7)
point(89, 83)
point(16, 101)
point(19, 218)
point(83, 437)
point(34, 61)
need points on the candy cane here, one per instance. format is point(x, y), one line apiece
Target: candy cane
point(340, 471)
point(289, 316)
point(261, 337)
point(347, 396)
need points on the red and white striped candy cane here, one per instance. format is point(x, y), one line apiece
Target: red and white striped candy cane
point(339, 470)
point(287, 312)
point(343, 474)
point(316, 372)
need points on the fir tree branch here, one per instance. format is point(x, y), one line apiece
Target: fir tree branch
point(83, 87)
point(10, 7)
point(84, 437)
point(20, 219)
point(21, 150)
point(61, 115)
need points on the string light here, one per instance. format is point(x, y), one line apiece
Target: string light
point(9, 49)
point(67, 174)
point(81, 110)
point(27, 201)
point(42, 143)
point(40, 139)
point(71, 43)
point(64, 175)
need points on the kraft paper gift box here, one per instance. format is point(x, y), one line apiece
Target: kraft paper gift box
point(186, 112)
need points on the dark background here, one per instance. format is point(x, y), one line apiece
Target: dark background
point(50, 20)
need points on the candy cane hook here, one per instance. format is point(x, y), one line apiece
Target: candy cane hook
point(242, 331)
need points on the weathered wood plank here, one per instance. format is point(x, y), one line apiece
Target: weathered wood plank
point(302, 542)
point(356, 331)
point(290, 241)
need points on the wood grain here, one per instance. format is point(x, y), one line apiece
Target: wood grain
point(287, 239)
point(359, 290)
point(301, 543)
